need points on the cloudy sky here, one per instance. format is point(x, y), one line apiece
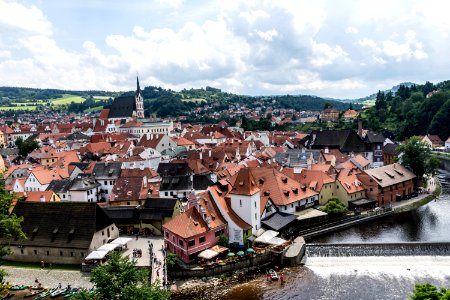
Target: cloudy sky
point(341, 49)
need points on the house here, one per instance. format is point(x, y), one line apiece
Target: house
point(61, 188)
point(84, 189)
point(298, 158)
point(159, 142)
point(317, 181)
point(447, 144)
point(350, 115)
point(376, 142)
point(176, 179)
point(349, 187)
point(390, 153)
point(106, 175)
point(346, 141)
point(433, 141)
point(45, 196)
point(196, 229)
point(70, 231)
point(394, 183)
point(147, 218)
point(39, 179)
point(329, 115)
point(129, 191)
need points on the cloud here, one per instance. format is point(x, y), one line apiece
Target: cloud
point(351, 30)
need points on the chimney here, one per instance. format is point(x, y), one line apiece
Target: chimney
point(145, 181)
point(209, 153)
point(201, 155)
point(42, 198)
point(327, 151)
point(360, 128)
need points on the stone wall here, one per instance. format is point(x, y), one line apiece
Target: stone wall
point(243, 264)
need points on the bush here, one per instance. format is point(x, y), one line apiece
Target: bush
point(334, 206)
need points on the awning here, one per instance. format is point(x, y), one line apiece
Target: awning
point(309, 214)
point(208, 254)
point(121, 241)
point(109, 247)
point(363, 201)
point(218, 248)
point(266, 236)
point(276, 241)
point(97, 254)
point(278, 220)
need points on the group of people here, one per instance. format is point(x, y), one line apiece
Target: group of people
point(137, 253)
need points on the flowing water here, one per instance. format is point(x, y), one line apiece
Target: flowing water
point(362, 277)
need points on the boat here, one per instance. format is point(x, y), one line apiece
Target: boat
point(71, 293)
point(273, 274)
point(7, 296)
point(18, 287)
point(47, 293)
point(35, 293)
point(58, 291)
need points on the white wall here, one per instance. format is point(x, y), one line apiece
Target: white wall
point(248, 208)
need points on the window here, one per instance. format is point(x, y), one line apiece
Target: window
point(255, 204)
point(167, 235)
point(35, 251)
point(256, 217)
point(71, 254)
point(173, 239)
point(371, 189)
point(292, 205)
point(21, 251)
point(219, 233)
point(103, 232)
point(202, 239)
point(240, 203)
point(61, 253)
point(82, 254)
point(166, 193)
point(191, 243)
point(111, 182)
point(48, 253)
point(128, 202)
point(181, 243)
point(106, 182)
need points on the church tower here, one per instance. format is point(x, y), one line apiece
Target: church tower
point(139, 101)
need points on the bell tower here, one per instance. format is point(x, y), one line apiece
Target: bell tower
point(139, 100)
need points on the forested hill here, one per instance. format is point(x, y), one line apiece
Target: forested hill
point(415, 110)
point(162, 102)
point(170, 103)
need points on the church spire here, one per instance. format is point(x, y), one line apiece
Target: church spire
point(138, 88)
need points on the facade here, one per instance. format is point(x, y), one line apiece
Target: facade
point(376, 143)
point(329, 115)
point(69, 233)
point(144, 127)
point(447, 144)
point(106, 175)
point(433, 141)
point(126, 108)
point(394, 182)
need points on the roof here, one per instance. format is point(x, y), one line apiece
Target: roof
point(45, 176)
point(373, 137)
point(306, 177)
point(83, 184)
point(349, 180)
point(244, 183)
point(390, 174)
point(344, 140)
point(390, 149)
point(107, 170)
point(37, 196)
point(59, 186)
point(128, 188)
point(173, 169)
point(122, 107)
point(201, 182)
point(122, 214)
point(187, 224)
point(62, 225)
point(309, 213)
point(435, 139)
point(278, 220)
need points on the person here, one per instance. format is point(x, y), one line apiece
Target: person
point(36, 280)
point(282, 278)
point(59, 285)
point(267, 276)
point(42, 264)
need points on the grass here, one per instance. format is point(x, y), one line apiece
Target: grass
point(94, 109)
point(67, 99)
point(25, 107)
point(30, 265)
point(415, 205)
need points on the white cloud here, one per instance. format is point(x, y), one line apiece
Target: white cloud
point(325, 54)
point(365, 42)
point(351, 30)
point(411, 48)
point(267, 35)
point(5, 54)
point(252, 16)
point(19, 17)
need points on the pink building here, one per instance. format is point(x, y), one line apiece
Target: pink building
point(196, 229)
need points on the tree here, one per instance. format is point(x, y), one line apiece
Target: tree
point(26, 147)
point(171, 259)
point(10, 224)
point(223, 241)
point(120, 279)
point(428, 291)
point(334, 206)
point(327, 105)
point(416, 156)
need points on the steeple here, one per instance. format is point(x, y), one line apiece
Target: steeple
point(138, 87)
point(139, 100)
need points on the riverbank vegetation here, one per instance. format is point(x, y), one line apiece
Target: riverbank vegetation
point(334, 207)
point(429, 291)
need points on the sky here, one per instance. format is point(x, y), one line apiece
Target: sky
point(339, 49)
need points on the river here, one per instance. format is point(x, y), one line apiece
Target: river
point(363, 277)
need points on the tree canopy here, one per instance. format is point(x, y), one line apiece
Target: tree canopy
point(416, 156)
point(120, 279)
point(428, 291)
point(334, 206)
point(26, 147)
point(10, 224)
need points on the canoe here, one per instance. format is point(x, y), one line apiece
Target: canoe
point(35, 293)
point(43, 295)
point(273, 274)
point(18, 287)
point(58, 292)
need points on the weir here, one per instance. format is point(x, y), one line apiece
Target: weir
point(379, 249)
